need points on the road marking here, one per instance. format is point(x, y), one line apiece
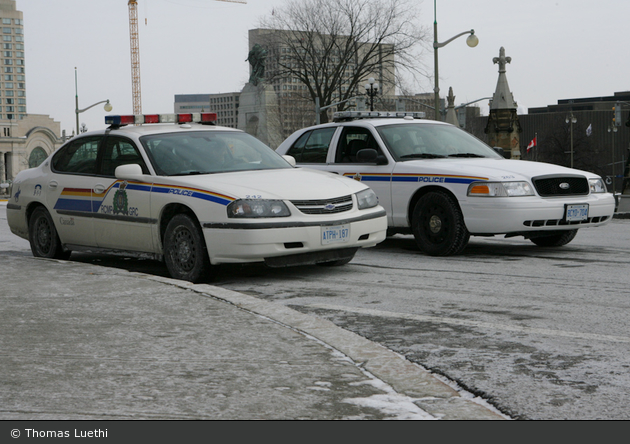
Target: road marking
point(468, 323)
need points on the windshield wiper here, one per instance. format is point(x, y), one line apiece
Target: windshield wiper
point(190, 173)
point(465, 155)
point(422, 156)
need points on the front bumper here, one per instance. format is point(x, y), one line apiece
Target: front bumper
point(505, 215)
point(254, 241)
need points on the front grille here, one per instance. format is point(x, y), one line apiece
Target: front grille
point(324, 206)
point(548, 186)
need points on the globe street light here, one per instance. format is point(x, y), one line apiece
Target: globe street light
point(471, 41)
point(108, 107)
point(371, 89)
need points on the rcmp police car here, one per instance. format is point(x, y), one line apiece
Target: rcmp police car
point(192, 194)
point(444, 185)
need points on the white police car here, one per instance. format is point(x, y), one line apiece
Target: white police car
point(444, 185)
point(194, 195)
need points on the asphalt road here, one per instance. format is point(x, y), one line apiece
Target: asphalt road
point(541, 333)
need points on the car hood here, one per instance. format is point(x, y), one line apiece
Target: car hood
point(489, 169)
point(289, 184)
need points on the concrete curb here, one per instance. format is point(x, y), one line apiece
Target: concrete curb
point(430, 393)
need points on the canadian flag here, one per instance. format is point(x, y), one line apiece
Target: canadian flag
point(532, 144)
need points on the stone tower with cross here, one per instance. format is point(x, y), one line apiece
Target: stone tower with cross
point(503, 128)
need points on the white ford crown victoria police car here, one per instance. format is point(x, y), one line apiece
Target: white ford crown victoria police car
point(444, 185)
point(194, 195)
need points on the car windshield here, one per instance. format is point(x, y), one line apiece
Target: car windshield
point(432, 141)
point(206, 152)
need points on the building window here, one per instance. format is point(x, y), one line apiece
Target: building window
point(7, 38)
point(6, 21)
point(6, 30)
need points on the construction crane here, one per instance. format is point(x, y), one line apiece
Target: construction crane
point(135, 53)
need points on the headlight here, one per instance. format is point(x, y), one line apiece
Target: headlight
point(367, 199)
point(500, 189)
point(597, 185)
point(253, 208)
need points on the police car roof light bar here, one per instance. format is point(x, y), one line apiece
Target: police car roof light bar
point(355, 115)
point(139, 119)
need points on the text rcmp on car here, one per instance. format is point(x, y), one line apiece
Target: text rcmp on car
point(190, 193)
point(444, 185)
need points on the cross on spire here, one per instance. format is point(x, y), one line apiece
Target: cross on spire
point(502, 59)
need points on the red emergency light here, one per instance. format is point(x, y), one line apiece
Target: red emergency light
point(139, 119)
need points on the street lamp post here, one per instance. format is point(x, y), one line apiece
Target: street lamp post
point(371, 89)
point(108, 107)
point(571, 119)
point(613, 128)
point(471, 41)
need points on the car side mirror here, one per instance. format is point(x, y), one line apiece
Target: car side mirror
point(367, 155)
point(290, 159)
point(499, 150)
point(370, 155)
point(131, 171)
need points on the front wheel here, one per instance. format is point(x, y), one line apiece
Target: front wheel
point(43, 237)
point(438, 225)
point(184, 250)
point(558, 239)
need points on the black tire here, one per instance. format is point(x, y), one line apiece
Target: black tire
point(558, 239)
point(185, 252)
point(438, 225)
point(43, 237)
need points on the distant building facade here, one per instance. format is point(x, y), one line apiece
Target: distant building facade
point(25, 139)
point(224, 104)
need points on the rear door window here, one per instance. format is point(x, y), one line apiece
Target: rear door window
point(312, 146)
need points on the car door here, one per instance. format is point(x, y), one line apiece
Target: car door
point(123, 220)
point(377, 175)
point(69, 190)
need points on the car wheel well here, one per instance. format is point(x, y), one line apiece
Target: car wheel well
point(169, 212)
point(29, 211)
point(421, 192)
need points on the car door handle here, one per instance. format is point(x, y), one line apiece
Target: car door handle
point(53, 184)
point(99, 189)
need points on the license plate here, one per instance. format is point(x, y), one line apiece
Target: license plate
point(337, 233)
point(576, 212)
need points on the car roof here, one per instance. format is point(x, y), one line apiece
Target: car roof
point(158, 128)
point(375, 122)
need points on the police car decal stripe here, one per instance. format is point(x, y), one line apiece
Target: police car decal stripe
point(221, 199)
point(427, 178)
point(84, 200)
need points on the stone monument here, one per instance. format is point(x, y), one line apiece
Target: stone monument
point(258, 112)
point(503, 126)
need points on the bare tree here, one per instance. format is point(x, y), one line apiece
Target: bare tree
point(331, 47)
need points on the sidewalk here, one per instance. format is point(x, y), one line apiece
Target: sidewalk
point(82, 342)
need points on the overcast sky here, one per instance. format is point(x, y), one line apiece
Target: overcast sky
point(560, 49)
